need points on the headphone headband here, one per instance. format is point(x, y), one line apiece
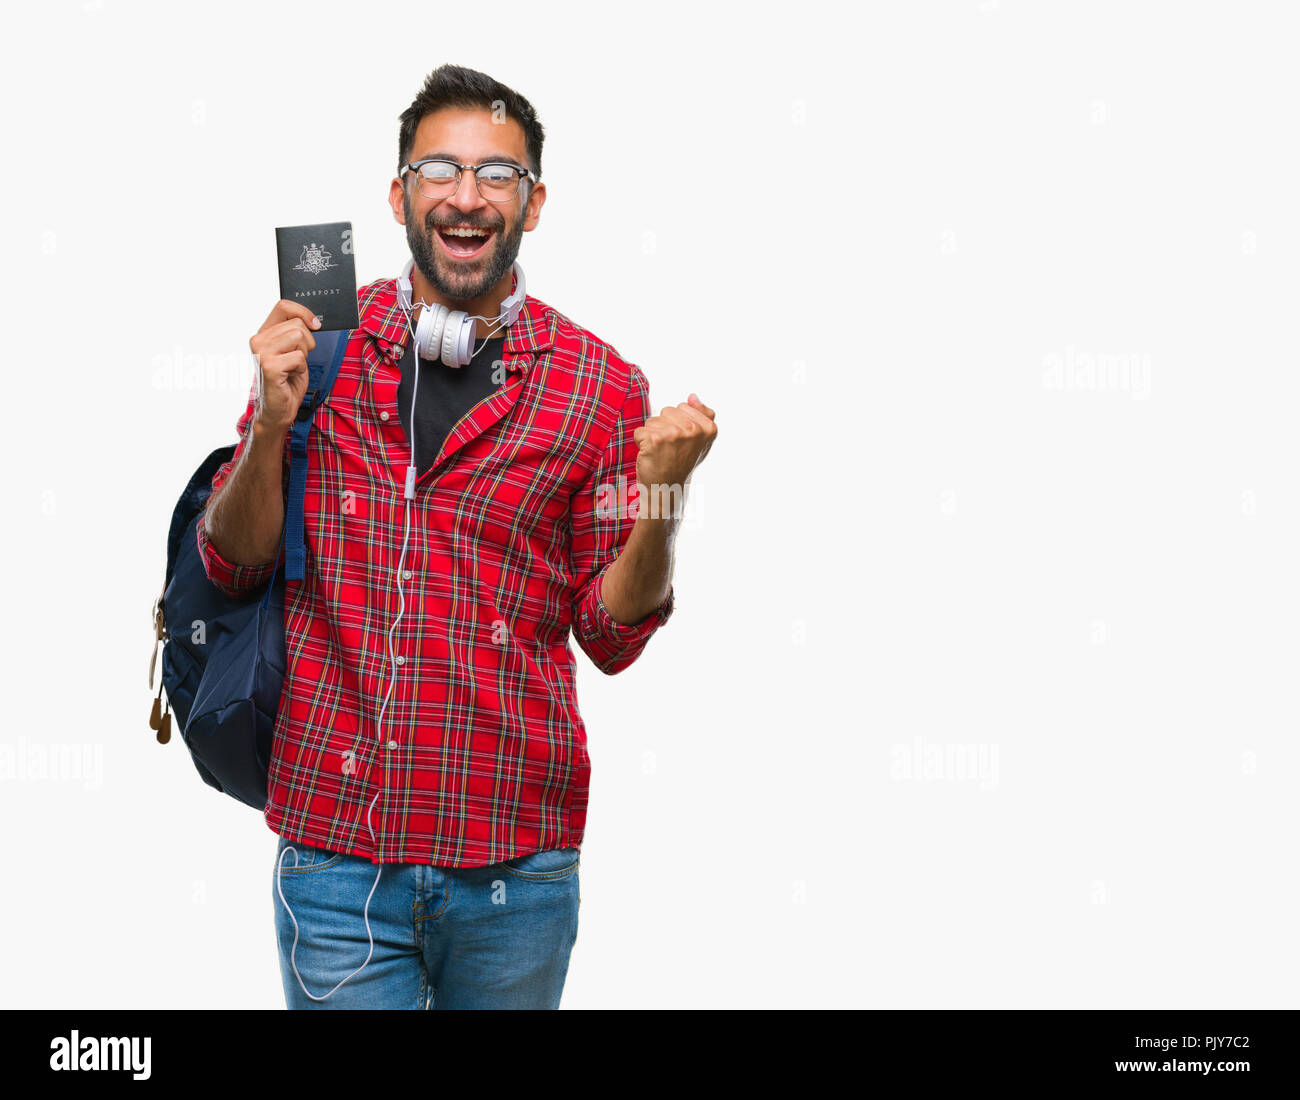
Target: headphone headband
point(511, 306)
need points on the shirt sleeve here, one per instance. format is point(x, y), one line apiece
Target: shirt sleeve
point(234, 579)
point(602, 515)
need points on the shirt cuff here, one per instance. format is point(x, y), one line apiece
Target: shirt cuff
point(623, 633)
point(233, 579)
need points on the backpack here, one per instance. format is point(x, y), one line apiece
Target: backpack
point(223, 658)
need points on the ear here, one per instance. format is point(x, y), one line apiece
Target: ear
point(533, 211)
point(395, 196)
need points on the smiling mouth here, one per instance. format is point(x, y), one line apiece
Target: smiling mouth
point(464, 242)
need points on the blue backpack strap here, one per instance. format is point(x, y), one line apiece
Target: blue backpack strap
point(322, 368)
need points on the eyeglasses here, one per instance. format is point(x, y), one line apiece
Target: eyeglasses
point(438, 179)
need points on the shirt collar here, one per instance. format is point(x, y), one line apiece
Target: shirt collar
point(532, 332)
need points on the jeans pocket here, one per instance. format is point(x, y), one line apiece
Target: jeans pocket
point(303, 859)
point(554, 863)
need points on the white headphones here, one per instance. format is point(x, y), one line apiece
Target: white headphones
point(448, 334)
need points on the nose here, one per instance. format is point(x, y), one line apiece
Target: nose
point(466, 197)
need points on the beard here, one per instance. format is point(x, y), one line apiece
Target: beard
point(461, 282)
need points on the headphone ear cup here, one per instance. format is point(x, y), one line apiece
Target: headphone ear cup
point(428, 333)
point(463, 348)
point(454, 339)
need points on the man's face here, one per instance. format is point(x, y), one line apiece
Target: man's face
point(462, 268)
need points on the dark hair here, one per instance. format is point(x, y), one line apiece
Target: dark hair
point(457, 86)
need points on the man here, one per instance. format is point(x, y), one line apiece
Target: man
point(429, 774)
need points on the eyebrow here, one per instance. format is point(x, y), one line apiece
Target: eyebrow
point(493, 158)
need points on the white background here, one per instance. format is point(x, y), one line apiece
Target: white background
point(865, 234)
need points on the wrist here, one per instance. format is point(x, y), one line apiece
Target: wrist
point(263, 432)
point(660, 502)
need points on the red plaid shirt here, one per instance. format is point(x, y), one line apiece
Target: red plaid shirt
point(482, 754)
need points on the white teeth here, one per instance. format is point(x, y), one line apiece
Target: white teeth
point(465, 232)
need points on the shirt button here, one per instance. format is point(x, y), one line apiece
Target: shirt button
point(401, 660)
point(406, 574)
point(383, 415)
point(392, 744)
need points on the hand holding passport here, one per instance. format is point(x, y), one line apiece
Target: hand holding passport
point(317, 270)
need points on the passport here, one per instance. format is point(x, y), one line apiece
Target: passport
point(317, 269)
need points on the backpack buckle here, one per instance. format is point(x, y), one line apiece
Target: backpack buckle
point(308, 403)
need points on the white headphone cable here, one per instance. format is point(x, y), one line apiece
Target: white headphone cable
point(293, 951)
point(410, 486)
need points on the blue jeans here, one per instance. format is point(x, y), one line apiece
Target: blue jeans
point(443, 937)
